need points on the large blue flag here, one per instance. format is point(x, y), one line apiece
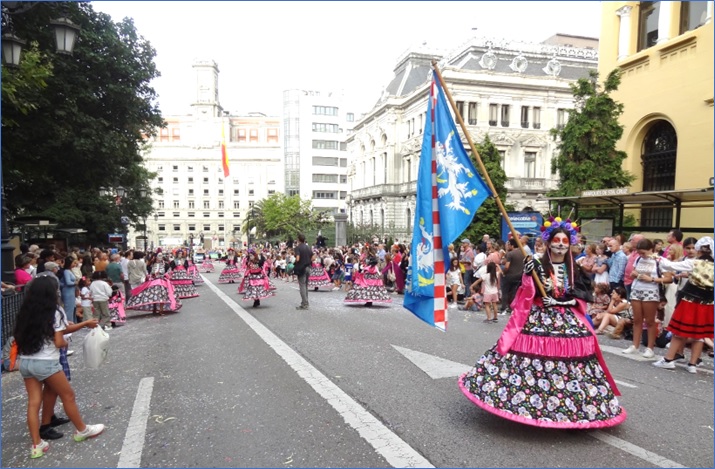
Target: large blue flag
point(449, 192)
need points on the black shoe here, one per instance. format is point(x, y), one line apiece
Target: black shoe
point(678, 357)
point(256, 303)
point(369, 303)
point(49, 433)
point(315, 289)
point(57, 421)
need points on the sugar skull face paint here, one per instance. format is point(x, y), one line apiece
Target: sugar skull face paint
point(560, 244)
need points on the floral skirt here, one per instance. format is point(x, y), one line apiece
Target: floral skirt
point(255, 286)
point(318, 277)
point(206, 266)
point(154, 293)
point(195, 275)
point(551, 376)
point(368, 288)
point(117, 315)
point(183, 284)
point(229, 274)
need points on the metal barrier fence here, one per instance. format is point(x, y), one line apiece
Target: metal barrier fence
point(10, 307)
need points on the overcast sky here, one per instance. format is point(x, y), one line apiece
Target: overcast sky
point(265, 47)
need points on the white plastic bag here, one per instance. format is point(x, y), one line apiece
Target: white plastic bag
point(95, 347)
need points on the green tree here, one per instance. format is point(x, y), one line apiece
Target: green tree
point(587, 157)
point(488, 218)
point(279, 217)
point(22, 86)
point(86, 128)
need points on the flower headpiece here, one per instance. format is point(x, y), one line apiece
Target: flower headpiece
point(571, 227)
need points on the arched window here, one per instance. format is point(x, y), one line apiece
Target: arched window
point(658, 159)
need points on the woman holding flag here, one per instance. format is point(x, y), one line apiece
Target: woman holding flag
point(547, 369)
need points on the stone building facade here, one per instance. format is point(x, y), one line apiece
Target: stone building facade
point(514, 92)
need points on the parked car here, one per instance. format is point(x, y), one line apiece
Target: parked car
point(199, 257)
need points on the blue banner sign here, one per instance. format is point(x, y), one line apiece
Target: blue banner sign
point(523, 222)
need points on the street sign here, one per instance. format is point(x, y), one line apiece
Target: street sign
point(115, 238)
point(605, 192)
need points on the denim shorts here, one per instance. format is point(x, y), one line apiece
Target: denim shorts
point(39, 369)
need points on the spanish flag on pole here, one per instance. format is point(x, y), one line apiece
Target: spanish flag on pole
point(224, 153)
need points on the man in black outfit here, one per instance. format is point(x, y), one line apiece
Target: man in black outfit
point(303, 253)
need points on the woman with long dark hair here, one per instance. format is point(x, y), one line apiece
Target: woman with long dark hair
point(39, 334)
point(547, 369)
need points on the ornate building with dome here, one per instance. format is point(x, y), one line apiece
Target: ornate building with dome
point(514, 92)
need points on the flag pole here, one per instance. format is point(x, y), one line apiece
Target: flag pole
point(487, 179)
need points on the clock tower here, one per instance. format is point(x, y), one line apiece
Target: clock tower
point(206, 104)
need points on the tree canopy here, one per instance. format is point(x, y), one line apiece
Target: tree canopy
point(587, 157)
point(488, 217)
point(281, 217)
point(73, 124)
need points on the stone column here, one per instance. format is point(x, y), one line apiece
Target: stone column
point(341, 232)
point(665, 17)
point(624, 32)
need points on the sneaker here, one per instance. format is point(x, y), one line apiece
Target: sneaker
point(70, 353)
point(504, 313)
point(648, 353)
point(336, 288)
point(495, 320)
point(50, 433)
point(37, 451)
point(691, 368)
point(452, 305)
point(664, 364)
point(90, 432)
point(107, 328)
point(629, 350)
point(301, 307)
point(678, 357)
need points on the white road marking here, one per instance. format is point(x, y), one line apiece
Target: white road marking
point(636, 451)
point(435, 367)
point(623, 383)
point(133, 445)
point(396, 452)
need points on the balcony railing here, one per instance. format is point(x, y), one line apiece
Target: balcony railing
point(410, 188)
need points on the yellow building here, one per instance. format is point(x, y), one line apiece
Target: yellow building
point(665, 51)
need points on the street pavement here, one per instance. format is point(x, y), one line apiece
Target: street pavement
point(223, 384)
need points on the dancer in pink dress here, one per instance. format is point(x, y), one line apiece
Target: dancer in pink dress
point(255, 285)
point(318, 277)
point(157, 293)
point(367, 286)
point(230, 273)
point(180, 278)
point(547, 368)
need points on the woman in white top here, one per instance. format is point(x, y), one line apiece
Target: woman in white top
point(454, 280)
point(39, 334)
point(645, 296)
